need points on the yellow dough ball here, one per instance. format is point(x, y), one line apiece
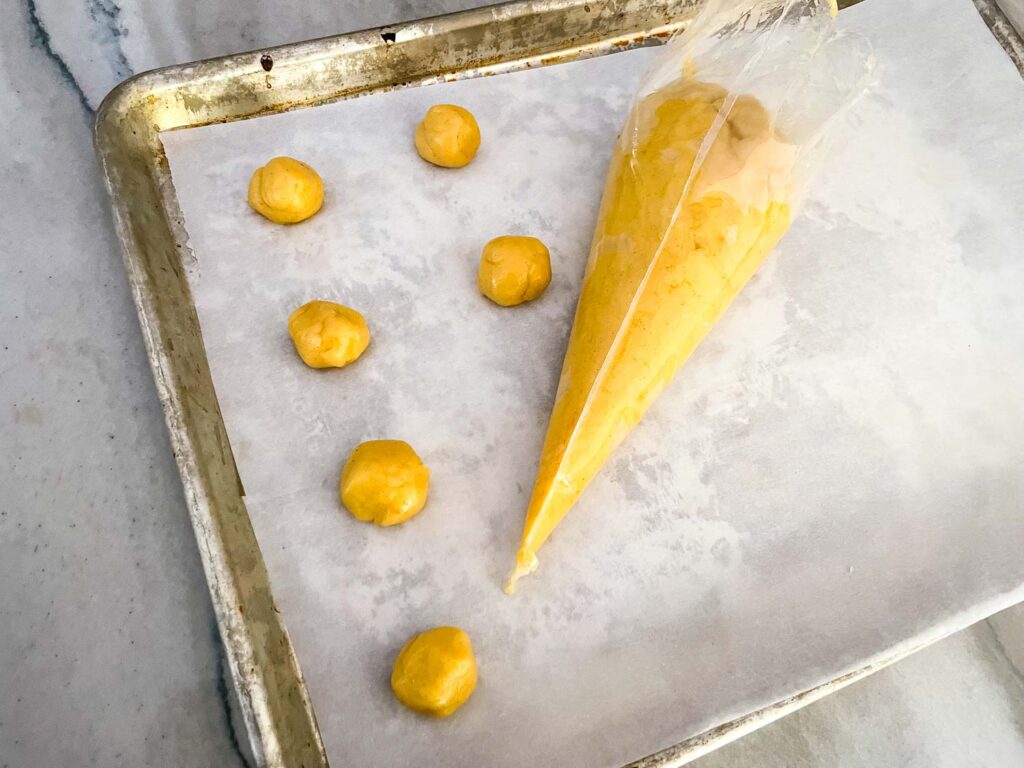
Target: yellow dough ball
point(328, 335)
point(448, 136)
point(435, 673)
point(286, 191)
point(513, 270)
point(384, 482)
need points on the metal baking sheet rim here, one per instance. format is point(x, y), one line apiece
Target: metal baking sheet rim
point(272, 694)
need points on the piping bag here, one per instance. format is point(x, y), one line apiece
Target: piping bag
point(705, 178)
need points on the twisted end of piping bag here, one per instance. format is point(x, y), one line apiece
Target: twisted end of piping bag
point(526, 563)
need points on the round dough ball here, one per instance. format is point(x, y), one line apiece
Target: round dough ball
point(448, 136)
point(328, 335)
point(435, 673)
point(384, 482)
point(513, 270)
point(286, 191)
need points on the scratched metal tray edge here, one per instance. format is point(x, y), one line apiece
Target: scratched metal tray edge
point(272, 694)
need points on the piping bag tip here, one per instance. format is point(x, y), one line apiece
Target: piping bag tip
point(526, 563)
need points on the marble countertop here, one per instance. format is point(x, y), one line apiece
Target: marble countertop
point(109, 653)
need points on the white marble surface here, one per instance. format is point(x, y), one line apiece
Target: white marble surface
point(108, 652)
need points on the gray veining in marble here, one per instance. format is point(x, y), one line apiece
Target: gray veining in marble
point(108, 653)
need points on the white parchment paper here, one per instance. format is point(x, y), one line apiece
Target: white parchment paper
point(836, 473)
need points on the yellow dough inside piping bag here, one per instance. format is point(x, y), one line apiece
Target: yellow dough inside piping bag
point(696, 197)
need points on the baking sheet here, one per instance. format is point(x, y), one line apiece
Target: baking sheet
point(837, 471)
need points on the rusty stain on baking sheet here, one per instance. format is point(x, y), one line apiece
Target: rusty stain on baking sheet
point(478, 43)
